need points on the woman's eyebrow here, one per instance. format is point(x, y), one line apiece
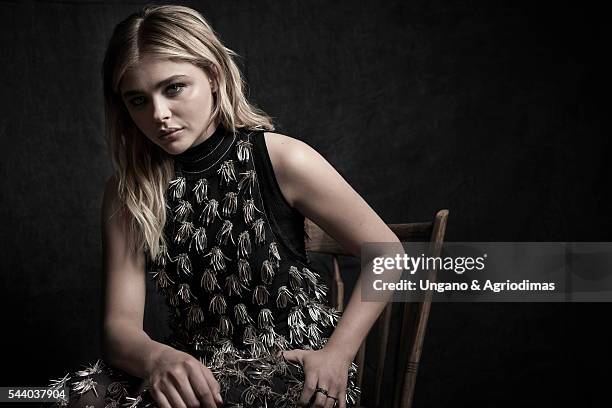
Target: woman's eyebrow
point(157, 86)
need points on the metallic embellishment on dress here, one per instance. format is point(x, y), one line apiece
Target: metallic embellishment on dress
point(200, 190)
point(267, 272)
point(227, 172)
point(162, 255)
point(184, 232)
point(321, 292)
point(265, 319)
point(260, 231)
point(314, 311)
point(133, 402)
point(110, 403)
point(311, 278)
point(230, 204)
point(184, 292)
point(199, 239)
point(260, 295)
point(195, 316)
point(314, 335)
point(268, 336)
point(295, 278)
point(258, 349)
point(162, 280)
point(250, 394)
point(198, 342)
point(249, 208)
point(244, 270)
point(244, 244)
point(183, 264)
point(183, 210)
point(85, 385)
point(281, 342)
point(283, 298)
point(242, 316)
point(225, 233)
point(209, 280)
point(225, 326)
point(59, 383)
point(116, 390)
point(247, 181)
point(265, 393)
point(217, 304)
point(301, 299)
point(330, 317)
point(295, 321)
point(273, 253)
point(353, 391)
point(173, 299)
point(96, 368)
point(177, 187)
point(217, 258)
point(249, 334)
point(243, 151)
point(210, 212)
point(233, 285)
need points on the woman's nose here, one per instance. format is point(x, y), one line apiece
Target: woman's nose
point(161, 111)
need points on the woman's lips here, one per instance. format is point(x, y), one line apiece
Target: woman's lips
point(171, 134)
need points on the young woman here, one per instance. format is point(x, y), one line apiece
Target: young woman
point(212, 202)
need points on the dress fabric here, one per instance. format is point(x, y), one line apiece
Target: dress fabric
point(237, 280)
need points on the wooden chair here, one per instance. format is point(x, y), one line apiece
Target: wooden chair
point(413, 317)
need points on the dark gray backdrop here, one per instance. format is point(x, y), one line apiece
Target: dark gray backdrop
point(491, 110)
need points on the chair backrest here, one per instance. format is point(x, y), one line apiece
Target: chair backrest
point(414, 315)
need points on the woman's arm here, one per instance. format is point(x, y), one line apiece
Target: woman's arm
point(174, 378)
point(126, 345)
point(318, 191)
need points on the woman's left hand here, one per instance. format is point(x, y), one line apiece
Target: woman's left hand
point(326, 369)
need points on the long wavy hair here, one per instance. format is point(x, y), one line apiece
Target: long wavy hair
point(143, 170)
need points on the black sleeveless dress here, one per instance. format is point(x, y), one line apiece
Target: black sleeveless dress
point(236, 277)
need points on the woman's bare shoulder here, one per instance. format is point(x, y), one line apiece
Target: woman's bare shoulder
point(279, 141)
point(292, 160)
point(286, 151)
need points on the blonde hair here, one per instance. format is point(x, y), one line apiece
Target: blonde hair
point(143, 170)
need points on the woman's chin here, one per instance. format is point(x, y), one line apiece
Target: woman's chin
point(175, 146)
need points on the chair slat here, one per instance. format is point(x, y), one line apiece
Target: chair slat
point(385, 325)
point(319, 241)
point(423, 308)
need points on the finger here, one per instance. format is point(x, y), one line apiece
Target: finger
point(342, 399)
point(200, 387)
point(321, 399)
point(172, 395)
point(213, 384)
point(310, 383)
point(160, 399)
point(184, 388)
point(294, 356)
point(329, 403)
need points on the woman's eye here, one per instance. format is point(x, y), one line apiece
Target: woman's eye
point(175, 88)
point(137, 101)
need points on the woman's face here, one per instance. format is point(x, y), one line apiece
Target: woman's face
point(162, 95)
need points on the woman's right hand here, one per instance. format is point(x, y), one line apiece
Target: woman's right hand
point(179, 380)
